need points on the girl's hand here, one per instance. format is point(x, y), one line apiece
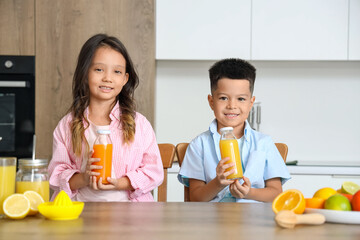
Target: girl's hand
point(238, 190)
point(89, 173)
point(112, 184)
point(221, 172)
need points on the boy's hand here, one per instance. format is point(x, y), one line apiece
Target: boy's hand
point(238, 190)
point(221, 172)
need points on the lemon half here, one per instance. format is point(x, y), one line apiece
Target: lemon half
point(16, 206)
point(35, 199)
point(349, 188)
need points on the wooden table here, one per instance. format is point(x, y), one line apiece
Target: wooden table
point(171, 221)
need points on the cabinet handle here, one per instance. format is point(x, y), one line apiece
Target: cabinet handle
point(345, 176)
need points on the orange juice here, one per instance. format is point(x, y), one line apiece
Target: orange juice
point(7, 183)
point(230, 148)
point(41, 187)
point(104, 152)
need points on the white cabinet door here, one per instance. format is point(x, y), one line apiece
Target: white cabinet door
point(354, 30)
point(202, 29)
point(299, 29)
point(309, 184)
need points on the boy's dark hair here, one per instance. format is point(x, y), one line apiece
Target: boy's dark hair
point(232, 68)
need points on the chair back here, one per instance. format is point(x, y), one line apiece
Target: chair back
point(180, 153)
point(167, 152)
point(283, 150)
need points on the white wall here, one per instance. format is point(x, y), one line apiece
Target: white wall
point(311, 106)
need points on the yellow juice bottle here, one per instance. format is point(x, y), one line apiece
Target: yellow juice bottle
point(7, 179)
point(229, 147)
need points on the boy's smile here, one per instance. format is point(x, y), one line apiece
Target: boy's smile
point(231, 103)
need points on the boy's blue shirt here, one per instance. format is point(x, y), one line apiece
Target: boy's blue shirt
point(260, 160)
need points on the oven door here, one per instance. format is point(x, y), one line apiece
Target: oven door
point(17, 114)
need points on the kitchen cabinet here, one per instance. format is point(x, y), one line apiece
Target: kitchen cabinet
point(17, 28)
point(307, 178)
point(257, 30)
point(202, 29)
point(354, 30)
point(309, 184)
point(299, 30)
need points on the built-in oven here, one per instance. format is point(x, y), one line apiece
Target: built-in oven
point(17, 105)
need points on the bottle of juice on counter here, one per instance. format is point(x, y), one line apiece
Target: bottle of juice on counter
point(33, 175)
point(7, 179)
point(103, 150)
point(229, 147)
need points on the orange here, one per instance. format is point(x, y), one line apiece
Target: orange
point(324, 193)
point(338, 202)
point(291, 199)
point(355, 202)
point(315, 202)
point(349, 196)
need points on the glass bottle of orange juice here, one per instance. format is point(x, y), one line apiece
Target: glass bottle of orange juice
point(103, 150)
point(229, 147)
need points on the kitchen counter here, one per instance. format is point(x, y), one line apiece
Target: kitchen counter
point(170, 221)
point(311, 168)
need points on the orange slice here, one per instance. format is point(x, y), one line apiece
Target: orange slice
point(291, 199)
point(16, 206)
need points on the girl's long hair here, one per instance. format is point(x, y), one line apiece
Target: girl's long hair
point(81, 92)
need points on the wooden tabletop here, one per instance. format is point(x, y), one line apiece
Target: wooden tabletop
point(171, 221)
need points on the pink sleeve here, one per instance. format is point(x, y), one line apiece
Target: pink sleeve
point(62, 167)
point(150, 174)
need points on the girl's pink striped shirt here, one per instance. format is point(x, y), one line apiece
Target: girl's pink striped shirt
point(140, 161)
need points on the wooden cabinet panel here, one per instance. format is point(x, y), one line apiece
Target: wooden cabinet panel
point(17, 27)
point(62, 27)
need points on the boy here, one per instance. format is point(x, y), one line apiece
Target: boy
point(203, 170)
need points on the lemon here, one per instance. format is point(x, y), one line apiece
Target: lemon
point(35, 200)
point(338, 202)
point(349, 188)
point(324, 193)
point(16, 206)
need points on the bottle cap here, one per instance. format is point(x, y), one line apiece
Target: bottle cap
point(226, 129)
point(103, 131)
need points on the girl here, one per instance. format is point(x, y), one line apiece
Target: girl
point(103, 88)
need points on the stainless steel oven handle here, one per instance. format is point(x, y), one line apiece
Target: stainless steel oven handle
point(13, 84)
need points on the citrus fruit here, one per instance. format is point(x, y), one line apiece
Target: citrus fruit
point(291, 199)
point(35, 200)
point(315, 202)
point(324, 193)
point(350, 188)
point(355, 202)
point(16, 206)
point(348, 196)
point(338, 202)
